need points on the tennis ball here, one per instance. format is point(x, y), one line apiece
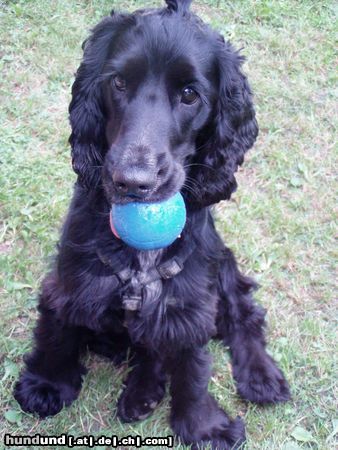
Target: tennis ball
point(149, 226)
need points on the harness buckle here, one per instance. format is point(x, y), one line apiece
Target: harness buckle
point(170, 268)
point(132, 302)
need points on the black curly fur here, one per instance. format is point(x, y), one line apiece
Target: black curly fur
point(146, 128)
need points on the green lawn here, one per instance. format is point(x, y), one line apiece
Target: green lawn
point(280, 223)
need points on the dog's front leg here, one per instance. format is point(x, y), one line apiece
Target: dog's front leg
point(195, 415)
point(144, 386)
point(53, 375)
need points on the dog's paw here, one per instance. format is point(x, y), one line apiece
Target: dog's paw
point(37, 395)
point(208, 426)
point(138, 401)
point(262, 381)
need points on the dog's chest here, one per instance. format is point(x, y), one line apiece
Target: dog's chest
point(149, 259)
point(144, 282)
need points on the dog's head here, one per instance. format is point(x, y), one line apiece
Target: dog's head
point(160, 105)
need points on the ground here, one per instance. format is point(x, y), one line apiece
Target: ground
point(280, 223)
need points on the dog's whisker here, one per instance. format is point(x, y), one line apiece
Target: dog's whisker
point(202, 146)
point(190, 189)
point(208, 166)
point(194, 182)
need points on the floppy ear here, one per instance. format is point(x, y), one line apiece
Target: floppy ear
point(86, 109)
point(221, 147)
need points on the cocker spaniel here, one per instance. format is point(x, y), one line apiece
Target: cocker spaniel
point(159, 105)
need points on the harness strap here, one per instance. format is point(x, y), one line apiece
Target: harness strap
point(132, 300)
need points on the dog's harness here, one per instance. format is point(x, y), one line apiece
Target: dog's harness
point(134, 294)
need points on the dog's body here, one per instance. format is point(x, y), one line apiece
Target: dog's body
point(159, 105)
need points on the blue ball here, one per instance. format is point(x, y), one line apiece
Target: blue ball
point(149, 226)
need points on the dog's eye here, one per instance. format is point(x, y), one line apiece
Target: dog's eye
point(120, 83)
point(189, 96)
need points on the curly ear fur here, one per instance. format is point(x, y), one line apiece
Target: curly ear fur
point(87, 115)
point(222, 146)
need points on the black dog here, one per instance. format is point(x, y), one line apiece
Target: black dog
point(159, 105)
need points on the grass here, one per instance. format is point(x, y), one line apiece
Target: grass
point(280, 223)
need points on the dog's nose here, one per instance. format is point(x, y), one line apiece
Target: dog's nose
point(134, 181)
